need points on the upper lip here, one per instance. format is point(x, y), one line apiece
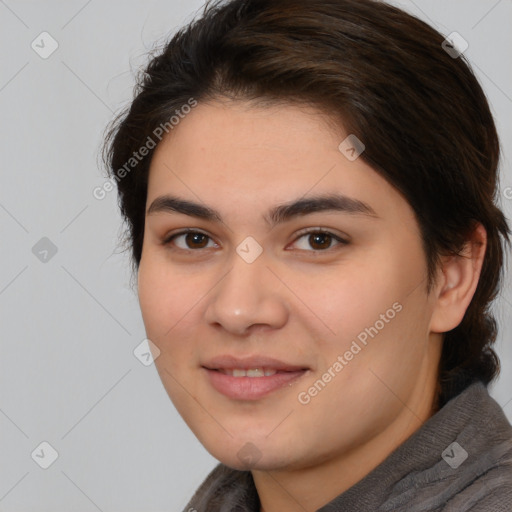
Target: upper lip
point(228, 362)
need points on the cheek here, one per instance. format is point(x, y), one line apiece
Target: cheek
point(169, 305)
point(161, 297)
point(379, 307)
point(347, 302)
point(153, 297)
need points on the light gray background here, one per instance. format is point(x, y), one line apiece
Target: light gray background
point(69, 325)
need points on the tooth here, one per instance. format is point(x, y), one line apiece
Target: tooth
point(253, 372)
point(256, 372)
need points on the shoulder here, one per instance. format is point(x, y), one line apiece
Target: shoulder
point(484, 478)
point(459, 461)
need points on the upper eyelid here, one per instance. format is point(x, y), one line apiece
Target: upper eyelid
point(322, 230)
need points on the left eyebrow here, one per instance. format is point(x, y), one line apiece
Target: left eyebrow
point(276, 215)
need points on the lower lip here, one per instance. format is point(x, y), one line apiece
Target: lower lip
point(250, 388)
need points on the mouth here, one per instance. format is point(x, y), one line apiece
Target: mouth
point(250, 378)
point(254, 364)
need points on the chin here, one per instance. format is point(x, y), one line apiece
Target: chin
point(248, 456)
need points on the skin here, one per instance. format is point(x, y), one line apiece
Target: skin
point(296, 302)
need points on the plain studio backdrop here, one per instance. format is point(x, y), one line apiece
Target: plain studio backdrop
point(72, 386)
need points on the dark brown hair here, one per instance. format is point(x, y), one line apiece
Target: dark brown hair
point(385, 76)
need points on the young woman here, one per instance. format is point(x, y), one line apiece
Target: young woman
point(308, 187)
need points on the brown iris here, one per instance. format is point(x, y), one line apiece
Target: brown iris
point(195, 237)
point(315, 239)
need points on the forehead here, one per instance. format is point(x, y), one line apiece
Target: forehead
point(233, 153)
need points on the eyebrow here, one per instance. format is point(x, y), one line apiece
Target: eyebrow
point(276, 215)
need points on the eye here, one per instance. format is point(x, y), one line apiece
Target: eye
point(316, 238)
point(190, 238)
point(319, 240)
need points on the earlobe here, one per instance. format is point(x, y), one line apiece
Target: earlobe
point(457, 282)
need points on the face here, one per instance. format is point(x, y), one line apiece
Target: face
point(324, 301)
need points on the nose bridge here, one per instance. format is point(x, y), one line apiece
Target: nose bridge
point(247, 295)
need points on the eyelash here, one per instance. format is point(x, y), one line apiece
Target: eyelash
point(311, 231)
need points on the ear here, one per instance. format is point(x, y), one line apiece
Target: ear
point(457, 281)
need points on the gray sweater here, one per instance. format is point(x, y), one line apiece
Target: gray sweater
point(459, 460)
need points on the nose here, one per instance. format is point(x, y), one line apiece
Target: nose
point(248, 298)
